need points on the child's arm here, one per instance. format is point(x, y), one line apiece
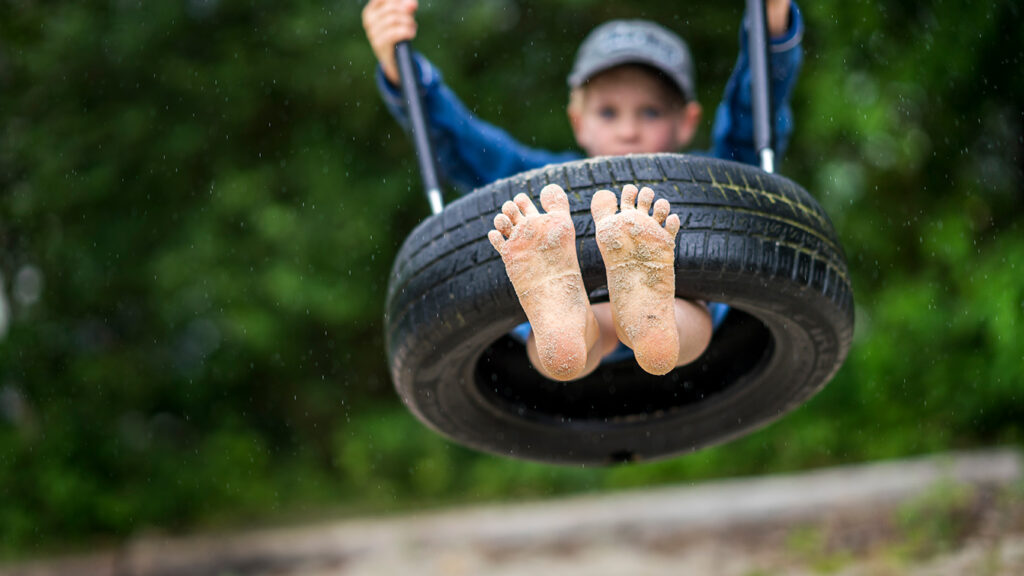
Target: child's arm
point(733, 130)
point(470, 152)
point(778, 17)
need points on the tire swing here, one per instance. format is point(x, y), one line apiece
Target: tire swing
point(749, 238)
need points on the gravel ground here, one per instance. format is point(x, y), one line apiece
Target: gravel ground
point(947, 515)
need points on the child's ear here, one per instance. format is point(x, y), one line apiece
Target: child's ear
point(576, 121)
point(689, 121)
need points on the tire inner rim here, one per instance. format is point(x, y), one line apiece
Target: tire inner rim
point(621, 391)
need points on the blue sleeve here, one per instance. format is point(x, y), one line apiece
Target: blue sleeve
point(733, 130)
point(469, 152)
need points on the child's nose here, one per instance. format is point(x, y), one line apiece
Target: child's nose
point(629, 128)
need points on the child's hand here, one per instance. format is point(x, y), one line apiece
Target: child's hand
point(778, 17)
point(388, 22)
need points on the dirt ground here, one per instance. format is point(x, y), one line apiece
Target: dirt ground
point(947, 515)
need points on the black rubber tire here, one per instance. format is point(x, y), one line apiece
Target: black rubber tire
point(753, 240)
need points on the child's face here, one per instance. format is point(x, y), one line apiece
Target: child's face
point(627, 110)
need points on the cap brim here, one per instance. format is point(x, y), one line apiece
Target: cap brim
point(579, 77)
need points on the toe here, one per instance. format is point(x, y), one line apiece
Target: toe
point(503, 225)
point(661, 210)
point(497, 240)
point(511, 211)
point(526, 205)
point(629, 197)
point(644, 200)
point(672, 224)
point(553, 199)
point(602, 205)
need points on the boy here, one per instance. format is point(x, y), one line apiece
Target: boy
point(632, 92)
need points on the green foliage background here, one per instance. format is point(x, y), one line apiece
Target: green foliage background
point(201, 201)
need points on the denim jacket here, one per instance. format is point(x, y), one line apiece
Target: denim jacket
point(471, 153)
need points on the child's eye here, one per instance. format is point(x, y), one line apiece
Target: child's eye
point(651, 113)
point(607, 112)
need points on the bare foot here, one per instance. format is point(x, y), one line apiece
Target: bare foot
point(639, 256)
point(539, 251)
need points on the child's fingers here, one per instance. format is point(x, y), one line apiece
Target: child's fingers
point(369, 10)
point(381, 19)
point(511, 211)
point(391, 18)
point(525, 205)
point(388, 22)
point(394, 16)
point(644, 200)
point(374, 8)
point(372, 11)
point(388, 36)
point(384, 30)
point(661, 210)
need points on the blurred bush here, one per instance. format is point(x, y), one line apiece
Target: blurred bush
point(201, 201)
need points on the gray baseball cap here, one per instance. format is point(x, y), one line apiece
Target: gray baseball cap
point(635, 42)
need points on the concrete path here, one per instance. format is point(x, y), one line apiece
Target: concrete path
point(844, 520)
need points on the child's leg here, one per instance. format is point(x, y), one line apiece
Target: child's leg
point(639, 256)
point(693, 324)
point(539, 252)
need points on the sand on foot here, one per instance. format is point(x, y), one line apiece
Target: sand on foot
point(539, 252)
point(639, 256)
